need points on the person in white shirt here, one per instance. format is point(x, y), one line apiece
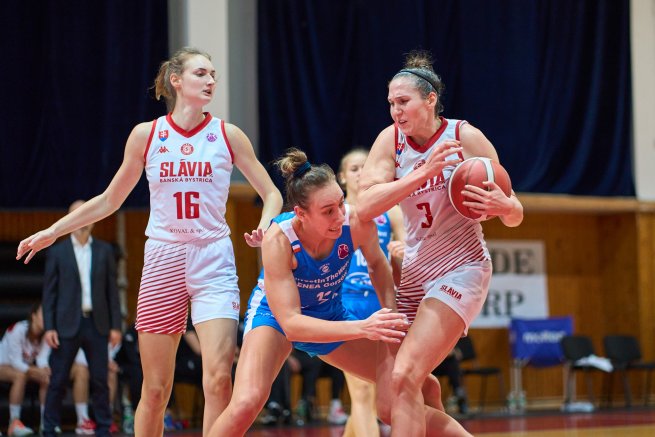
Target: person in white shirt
point(23, 359)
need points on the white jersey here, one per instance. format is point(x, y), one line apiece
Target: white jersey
point(189, 178)
point(439, 240)
point(18, 351)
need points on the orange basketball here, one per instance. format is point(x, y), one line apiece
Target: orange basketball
point(475, 171)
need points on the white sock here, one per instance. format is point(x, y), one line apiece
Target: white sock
point(82, 411)
point(14, 412)
point(42, 408)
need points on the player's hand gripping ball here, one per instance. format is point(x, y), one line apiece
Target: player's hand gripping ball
point(475, 171)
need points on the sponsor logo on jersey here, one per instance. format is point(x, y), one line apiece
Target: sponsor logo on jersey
point(451, 291)
point(169, 169)
point(419, 163)
point(325, 268)
point(236, 306)
point(380, 220)
point(211, 137)
point(343, 251)
point(163, 135)
point(186, 149)
point(163, 149)
point(399, 150)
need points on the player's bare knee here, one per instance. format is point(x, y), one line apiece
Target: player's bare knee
point(154, 396)
point(403, 380)
point(19, 378)
point(248, 405)
point(217, 384)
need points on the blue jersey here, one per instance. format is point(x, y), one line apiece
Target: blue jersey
point(318, 281)
point(358, 295)
point(357, 280)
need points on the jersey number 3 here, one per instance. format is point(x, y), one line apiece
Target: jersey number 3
point(428, 214)
point(186, 207)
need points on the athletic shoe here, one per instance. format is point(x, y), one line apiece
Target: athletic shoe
point(337, 416)
point(303, 412)
point(271, 414)
point(86, 427)
point(18, 428)
point(57, 429)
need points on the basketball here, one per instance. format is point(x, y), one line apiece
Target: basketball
point(475, 171)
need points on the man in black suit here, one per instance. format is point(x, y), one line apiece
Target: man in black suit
point(80, 309)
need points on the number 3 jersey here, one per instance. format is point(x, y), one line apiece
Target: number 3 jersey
point(438, 239)
point(189, 178)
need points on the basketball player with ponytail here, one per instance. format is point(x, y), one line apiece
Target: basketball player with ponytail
point(446, 268)
point(188, 156)
point(306, 254)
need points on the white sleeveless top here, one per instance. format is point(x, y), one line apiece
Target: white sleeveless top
point(189, 178)
point(438, 239)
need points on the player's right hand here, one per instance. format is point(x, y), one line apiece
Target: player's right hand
point(386, 325)
point(437, 159)
point(34, 243)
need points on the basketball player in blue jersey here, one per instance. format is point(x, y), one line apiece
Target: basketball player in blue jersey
point(306, 255)
point(358, 295)
point(188, 156)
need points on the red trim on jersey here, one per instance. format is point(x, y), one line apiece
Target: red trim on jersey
point(227, 141)
point(192, 132)
point(152, 134)
point(433, 139)
point(457, 127)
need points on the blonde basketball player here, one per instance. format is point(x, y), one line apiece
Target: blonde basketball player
point(446, 268)
point(188, 157)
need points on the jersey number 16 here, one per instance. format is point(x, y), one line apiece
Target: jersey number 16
point(186, 207)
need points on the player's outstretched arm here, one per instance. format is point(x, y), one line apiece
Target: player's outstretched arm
point(100, 206)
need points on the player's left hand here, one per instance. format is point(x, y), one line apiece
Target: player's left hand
point(489, 203)
point(254, 239)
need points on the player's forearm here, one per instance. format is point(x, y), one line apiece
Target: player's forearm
point(310, 329)
point(90, 212)
point(515, 217)
point(379, 198)
point(382, 281)
point(272, 207)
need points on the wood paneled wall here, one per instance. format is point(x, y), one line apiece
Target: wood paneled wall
point(600, 259)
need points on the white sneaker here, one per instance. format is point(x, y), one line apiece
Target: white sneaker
point(18, 428)
point(337, 415)
point(86, 427)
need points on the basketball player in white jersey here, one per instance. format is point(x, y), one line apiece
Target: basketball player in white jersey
point(446, 268)
point(188, 157)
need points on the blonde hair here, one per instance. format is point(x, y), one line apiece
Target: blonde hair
point(174, 65)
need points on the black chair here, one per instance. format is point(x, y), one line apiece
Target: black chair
point(465, 346)
point(574, 348)
point(625, 353)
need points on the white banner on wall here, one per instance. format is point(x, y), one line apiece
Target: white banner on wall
point(518, 286)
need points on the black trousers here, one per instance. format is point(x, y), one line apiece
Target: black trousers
point(94, 345)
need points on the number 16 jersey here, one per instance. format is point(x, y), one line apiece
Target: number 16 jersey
point(189, 178)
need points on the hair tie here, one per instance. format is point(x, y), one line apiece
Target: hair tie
point(302, 170)
point(423, 76)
